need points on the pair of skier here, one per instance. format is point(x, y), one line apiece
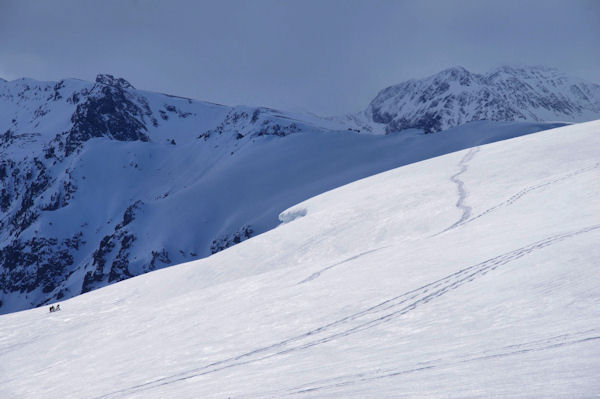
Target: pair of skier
point(54, 309)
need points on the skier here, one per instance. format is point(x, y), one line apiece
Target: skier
point(57, 308)
point(51, 308)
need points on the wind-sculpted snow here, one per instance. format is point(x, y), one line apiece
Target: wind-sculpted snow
point(107, 182)
point(292, 214)
point(368, 294)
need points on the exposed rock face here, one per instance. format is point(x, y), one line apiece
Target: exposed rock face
point(242, 123)
point(110, 80)
point(108, 111)
point(115, 246)
point(227, 241)
point(37, 263)
point(456, 96)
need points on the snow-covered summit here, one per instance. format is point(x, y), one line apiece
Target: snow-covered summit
point(455, 96)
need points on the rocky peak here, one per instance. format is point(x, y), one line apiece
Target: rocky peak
point(110, 80)
point(456, 73)
point(455, 96)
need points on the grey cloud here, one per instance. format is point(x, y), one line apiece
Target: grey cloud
point(326, 57)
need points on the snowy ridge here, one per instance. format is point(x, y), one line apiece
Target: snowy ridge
point(101, 182)
point(379, 288)
point(456, 96)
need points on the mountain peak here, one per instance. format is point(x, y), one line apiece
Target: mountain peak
point(453, 72)
point(110, 80)
point(508, 93)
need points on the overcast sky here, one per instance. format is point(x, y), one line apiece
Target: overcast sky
point(325, 56)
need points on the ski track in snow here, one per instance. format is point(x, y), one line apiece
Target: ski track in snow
point(511, 350)
point(514, 198)
point(318, 273)
point(529, 189)
point(462, 191)
point(383, 312)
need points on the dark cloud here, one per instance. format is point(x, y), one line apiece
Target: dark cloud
point(327, 56)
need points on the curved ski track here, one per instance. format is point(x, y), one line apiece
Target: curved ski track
point(511, 350)
point(318, 273)
point(463, 193)
point(529, 189)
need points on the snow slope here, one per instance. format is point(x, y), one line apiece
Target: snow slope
point(474, 274)
point(101, 182)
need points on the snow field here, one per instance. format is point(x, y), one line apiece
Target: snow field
point(374, 290)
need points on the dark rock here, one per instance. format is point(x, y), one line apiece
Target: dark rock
point(109, 113)
point(110, 80)
point(227, 241)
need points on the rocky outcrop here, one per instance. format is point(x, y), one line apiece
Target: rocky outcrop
point(108, 111)
point(228, 240)
point(110, 80)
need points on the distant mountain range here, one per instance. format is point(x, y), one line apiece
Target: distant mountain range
point(101, 182)
point(456, 96)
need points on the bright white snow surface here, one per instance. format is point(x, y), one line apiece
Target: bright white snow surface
point(475, 274)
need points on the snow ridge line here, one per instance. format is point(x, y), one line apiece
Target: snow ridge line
point(381, 313)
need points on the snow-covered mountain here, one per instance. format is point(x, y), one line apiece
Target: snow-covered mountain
point(456, 96)
point(101, 182)
point(474, 274)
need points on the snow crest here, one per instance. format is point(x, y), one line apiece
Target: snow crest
point(292, 214)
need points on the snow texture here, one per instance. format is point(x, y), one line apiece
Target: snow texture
point(473, 274)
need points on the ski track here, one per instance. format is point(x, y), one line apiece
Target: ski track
point(383, 312)
point(463, 193)
point(511, 350)
point(318, 273)
point(529, 189)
